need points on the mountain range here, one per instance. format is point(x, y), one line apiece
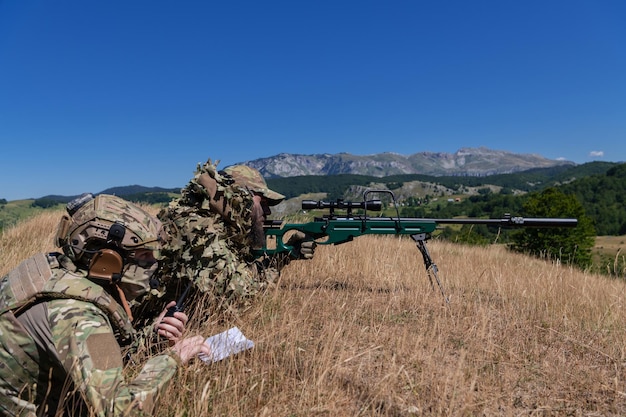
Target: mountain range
point(467, 162)
point(464, 162)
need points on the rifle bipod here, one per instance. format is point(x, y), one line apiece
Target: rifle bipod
point(431, 267)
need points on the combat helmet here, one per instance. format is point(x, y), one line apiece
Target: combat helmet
point(252, 179)
point(106, 230)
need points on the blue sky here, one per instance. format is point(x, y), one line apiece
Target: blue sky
point(97, 94)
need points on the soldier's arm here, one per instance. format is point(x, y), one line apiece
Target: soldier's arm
point(92, 357)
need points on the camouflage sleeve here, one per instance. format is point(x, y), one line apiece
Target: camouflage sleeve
point(92, 357)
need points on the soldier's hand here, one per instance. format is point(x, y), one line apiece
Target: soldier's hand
point(190, 347)
point(303, 244)
point(171, 327)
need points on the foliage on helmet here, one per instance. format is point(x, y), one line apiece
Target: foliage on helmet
point(252, 179)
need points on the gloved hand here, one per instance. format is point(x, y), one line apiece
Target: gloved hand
point(303, 245)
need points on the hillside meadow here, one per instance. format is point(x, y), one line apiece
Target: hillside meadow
point(358, 331)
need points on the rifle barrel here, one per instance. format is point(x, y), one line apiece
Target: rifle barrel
point(508, 221)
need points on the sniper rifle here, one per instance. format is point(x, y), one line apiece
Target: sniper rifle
point(334, 229)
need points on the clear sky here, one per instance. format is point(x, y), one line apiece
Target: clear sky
point(97, 94)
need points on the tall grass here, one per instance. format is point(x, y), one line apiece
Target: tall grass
point(358, 331)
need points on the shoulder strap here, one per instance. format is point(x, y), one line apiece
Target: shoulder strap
point(23, 282)
point(33, 281)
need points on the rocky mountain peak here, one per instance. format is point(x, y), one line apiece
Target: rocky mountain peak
point(465, 161)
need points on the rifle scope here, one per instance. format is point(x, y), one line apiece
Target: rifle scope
point(373, 205)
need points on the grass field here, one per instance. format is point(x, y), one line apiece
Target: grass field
point(609, 255)
point(358, 331)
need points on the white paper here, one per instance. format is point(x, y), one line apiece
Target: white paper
point(227, 343)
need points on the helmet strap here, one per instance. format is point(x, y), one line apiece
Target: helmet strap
point(124, 301)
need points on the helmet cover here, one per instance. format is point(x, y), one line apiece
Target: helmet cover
point(248, 177)
point(93, 226)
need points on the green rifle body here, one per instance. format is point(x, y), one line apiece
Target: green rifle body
point(334, 230)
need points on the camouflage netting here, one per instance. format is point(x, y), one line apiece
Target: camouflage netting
point(208, 248)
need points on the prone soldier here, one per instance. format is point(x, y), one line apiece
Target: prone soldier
point(65, 318)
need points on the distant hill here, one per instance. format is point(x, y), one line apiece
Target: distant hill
point(138, 189)
point(122, 191)
point(135, 193)
point(464, 162)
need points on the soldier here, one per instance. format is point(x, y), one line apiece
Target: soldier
point(65, 318)
point(212, 229)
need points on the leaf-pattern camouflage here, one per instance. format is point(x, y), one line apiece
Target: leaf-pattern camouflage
point(209, 249)
point(254, 181)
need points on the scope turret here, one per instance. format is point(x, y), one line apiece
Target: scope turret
point(372, 205)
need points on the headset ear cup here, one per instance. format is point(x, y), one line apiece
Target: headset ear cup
point(106, 264)
point(63, 228)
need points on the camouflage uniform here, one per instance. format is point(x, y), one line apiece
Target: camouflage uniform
point(62, 328)
point(63, 340)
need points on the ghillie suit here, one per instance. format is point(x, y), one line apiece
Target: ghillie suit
point(208, 242)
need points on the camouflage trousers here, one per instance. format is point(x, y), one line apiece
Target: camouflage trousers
point(32, 379)
point(19, 370)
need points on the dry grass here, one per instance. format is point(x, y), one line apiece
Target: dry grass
point(609, 255)
point(358, 331)
point(27, 238)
